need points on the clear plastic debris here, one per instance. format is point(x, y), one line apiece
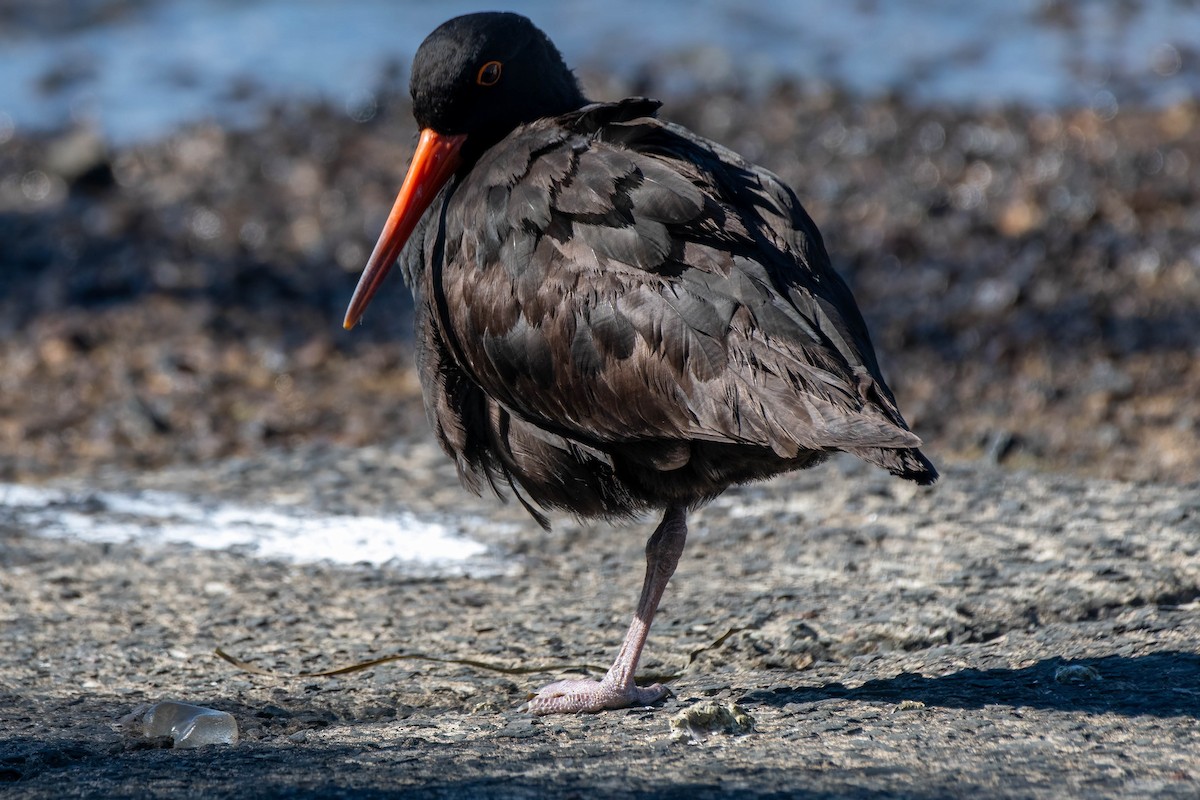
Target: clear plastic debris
point(187, 725)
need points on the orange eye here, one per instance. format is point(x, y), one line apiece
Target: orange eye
point(489, 74)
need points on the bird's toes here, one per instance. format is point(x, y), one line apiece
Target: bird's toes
point(584, 696)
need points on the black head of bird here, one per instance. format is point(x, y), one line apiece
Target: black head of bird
point(474, 80)
point(482, 75)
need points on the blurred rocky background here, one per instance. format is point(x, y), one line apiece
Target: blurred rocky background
point(1027, 258)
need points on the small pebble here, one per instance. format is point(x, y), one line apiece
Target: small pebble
point(1076, 674)
point(698, 722)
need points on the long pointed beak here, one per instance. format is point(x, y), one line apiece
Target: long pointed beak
point(436, 159)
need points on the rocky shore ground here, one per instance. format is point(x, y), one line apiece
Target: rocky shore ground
point(1028, 628)
point(1002, 634)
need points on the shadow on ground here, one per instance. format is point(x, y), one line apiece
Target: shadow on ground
point(403, 768)
point(1160, 684)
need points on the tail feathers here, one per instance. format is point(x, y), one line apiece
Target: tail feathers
point(908, 463)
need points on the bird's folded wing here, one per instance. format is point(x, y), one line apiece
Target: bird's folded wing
point(635, 282)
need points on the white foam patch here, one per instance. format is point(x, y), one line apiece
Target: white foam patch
point(292, 534)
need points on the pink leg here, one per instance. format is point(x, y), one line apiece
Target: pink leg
point(617, 689)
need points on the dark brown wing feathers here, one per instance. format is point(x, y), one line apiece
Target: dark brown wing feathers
point(616, 314)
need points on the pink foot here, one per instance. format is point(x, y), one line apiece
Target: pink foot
point(579, 696)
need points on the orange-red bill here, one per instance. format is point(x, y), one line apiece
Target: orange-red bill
point(436, 159)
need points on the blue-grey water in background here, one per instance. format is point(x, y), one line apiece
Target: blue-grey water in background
point(139, 69)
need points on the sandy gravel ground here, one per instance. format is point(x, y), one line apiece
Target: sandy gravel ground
point(1000, 635)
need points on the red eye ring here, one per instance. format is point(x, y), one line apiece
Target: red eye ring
point(489, 74)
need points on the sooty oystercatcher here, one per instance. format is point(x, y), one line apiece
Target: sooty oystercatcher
point(613, 313)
